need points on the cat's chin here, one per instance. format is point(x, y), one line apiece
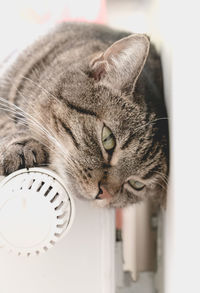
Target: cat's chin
point(101, 203)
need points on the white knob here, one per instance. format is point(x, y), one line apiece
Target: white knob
point(36, 211)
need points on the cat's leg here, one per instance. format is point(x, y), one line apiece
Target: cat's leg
point(21, 151)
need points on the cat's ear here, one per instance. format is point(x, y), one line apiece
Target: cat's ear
point(121, 64)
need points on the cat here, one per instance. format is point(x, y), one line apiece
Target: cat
point(87, 101)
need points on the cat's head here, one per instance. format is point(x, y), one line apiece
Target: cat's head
point(107, 140)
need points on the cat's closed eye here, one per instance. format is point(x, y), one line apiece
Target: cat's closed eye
point(108, 139)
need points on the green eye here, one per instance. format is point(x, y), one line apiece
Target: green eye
point(137, 185)
point(108, 139)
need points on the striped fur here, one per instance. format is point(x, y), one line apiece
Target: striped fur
point(60, 92)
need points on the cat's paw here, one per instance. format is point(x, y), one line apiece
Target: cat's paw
point(25, 154)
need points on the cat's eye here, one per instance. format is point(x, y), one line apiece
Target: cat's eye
point(137, 185)
point(108, 139)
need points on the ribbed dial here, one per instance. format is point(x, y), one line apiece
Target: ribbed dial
point(36, 211)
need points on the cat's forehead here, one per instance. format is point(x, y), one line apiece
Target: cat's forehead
point(107, 103)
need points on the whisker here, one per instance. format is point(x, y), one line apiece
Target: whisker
point(20, 121)
point(159, 183)
point(48, 132)
point(34, 124)
point(41, 142)
point(40, 87)
point(31, 119)
point(162, 176)
point(62, 153)
point(151, 122)
point(6, 109)
point(163, 187)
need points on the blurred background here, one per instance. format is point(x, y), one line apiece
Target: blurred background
point(22, 20)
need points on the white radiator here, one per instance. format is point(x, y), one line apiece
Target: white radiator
point(83, 261)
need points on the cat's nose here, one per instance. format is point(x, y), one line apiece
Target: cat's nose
point(103, 194)
point(98, 196)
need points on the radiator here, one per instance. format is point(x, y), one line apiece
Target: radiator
point(81, 259)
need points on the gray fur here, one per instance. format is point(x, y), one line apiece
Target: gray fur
point(68, 85)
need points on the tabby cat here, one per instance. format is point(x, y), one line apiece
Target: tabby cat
point(87, 101)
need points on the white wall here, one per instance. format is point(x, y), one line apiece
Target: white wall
point(182, 240)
